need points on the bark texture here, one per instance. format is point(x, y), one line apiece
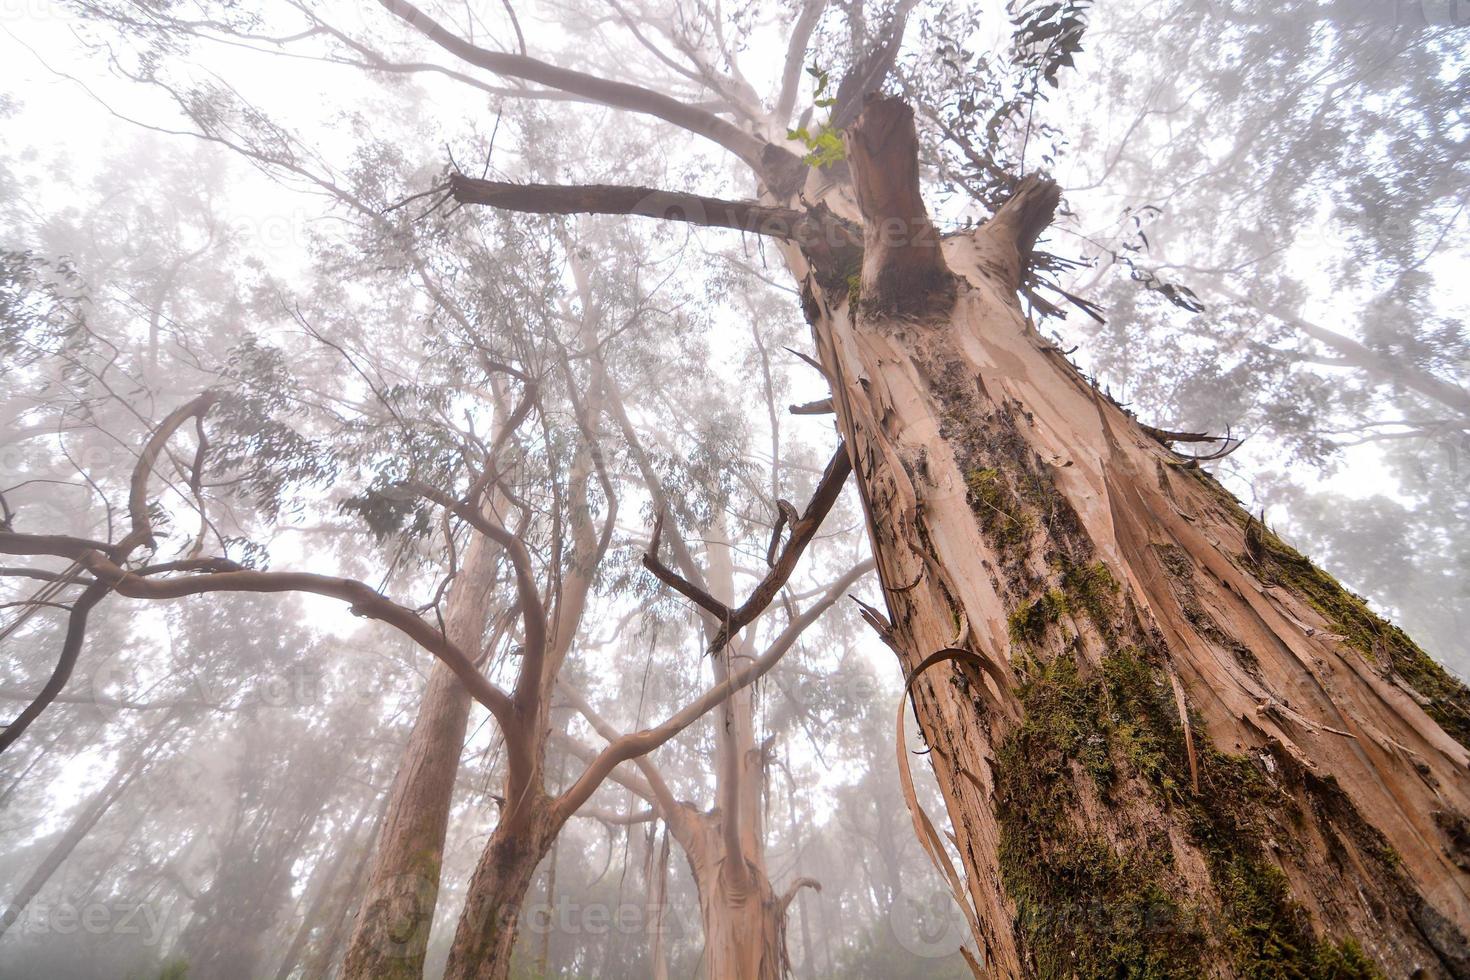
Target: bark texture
point(743, 918)
point(392, 930)
point(486, 936)
point(1174, 747)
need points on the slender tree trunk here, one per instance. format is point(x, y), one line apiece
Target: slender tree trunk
point(808, 958)
point(808, 954)
point(392, 931)
point(543, 962)
point(233, 919)
point(129, 767)
point(345, 901)
point(657, 878)
point(320, 889)
point(1170, 745)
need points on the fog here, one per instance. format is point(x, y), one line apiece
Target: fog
point(313, 470)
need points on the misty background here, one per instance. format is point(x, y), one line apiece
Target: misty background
point(1264, 207)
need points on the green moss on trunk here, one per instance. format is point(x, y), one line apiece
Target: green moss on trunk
point(1090, 906)
point(1446, 700)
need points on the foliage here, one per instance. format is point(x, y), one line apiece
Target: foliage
point(825, 147)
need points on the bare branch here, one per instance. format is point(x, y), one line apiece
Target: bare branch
point(755, 152)
point(829, 488)
point(675, 581)
point(363, 600)
point(805, 228)
point(732, 621)
point(142, 532)
point(636, 744)
point(96, 591)
point(528, 594)
point(657, 789)
point(620, 819)
point(71, 646)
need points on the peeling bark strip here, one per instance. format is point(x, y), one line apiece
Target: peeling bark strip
point(1018, 515)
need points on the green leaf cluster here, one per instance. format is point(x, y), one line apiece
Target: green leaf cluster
point(825, 146)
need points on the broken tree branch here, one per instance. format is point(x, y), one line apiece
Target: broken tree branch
point(1167, 436)
point(675, 581)
point(904, 272)
point(1019, 222)
point(829, 488)
point(797, 886)
point(822, 406)
point(814, 228)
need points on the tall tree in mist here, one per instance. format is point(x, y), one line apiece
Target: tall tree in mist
point(1167, 742)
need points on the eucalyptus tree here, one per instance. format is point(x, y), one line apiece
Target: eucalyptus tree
point(742, 912)
point(1167, 742)
point(524, 494)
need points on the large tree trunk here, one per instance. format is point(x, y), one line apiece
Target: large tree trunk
point(743, 918)
point(392, 930)
point(1172, 746)
point(486, 936)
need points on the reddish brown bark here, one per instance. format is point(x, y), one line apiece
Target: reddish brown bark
point(485, 938)
point(397, 910)
point(1304, 809)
